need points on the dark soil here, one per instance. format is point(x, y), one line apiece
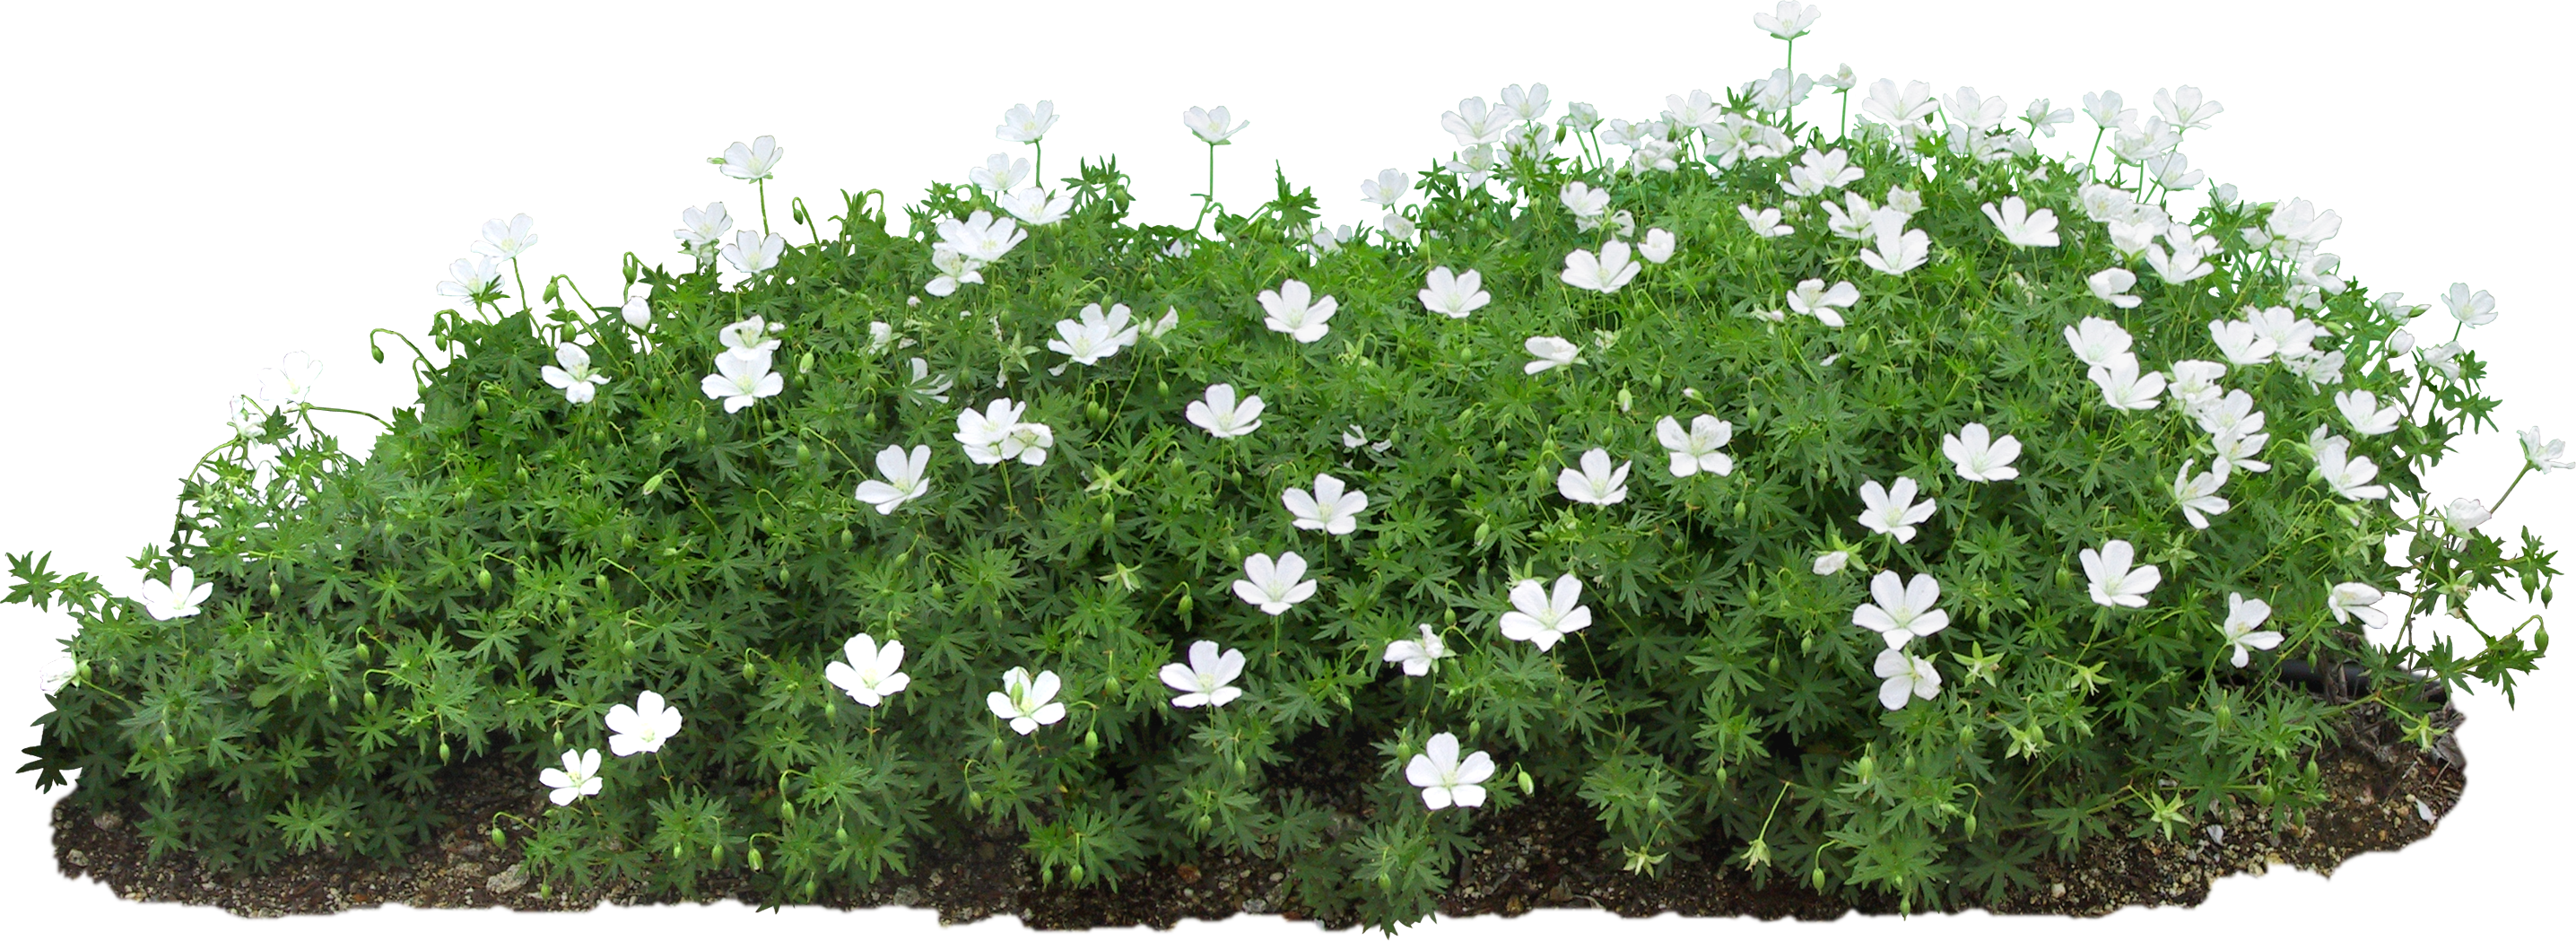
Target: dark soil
point(1542, 853)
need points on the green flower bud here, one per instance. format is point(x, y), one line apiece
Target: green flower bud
point(1205, 822)
point(370, 700)
point(750, 671)
point(334, 704)
point(1074, 873)
point(755, 851)
point(975, 799)
point(869, 420)
point(1108, 519)
point(1185, 603)
point(847, 540)
point(600, 580)
point(702, 433)
point(841, 834)
point(499, 838)
point(1816, 877)
point(1240, 770)
point(558, 738)
point(938, 591)
point(1527, 786)
point(483, 578)
point(1091, 739)
point(1162, 388)
point(804, 364)
point(521, 473)
point(272, 586)
point(442, 751)
point(715, 854)
point(482, 407)
point(831, 710)
point(804, 455)
point(362, 651)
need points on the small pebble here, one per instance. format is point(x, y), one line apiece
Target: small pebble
point(108, 821)
point(77, 858)
point(2423, 810)
point(2217, 834)
point(508, 880)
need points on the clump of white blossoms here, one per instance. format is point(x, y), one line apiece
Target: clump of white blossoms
point(996, 434)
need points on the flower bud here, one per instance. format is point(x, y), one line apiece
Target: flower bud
point(600, 580)
point(1204, 822)
point(715, 854)
point(841, 834)
point(1239, 770)
point(1816, 878)
point(831, 710)
point(1184, 604)
point(370, 700)
point(1531, 787)
point(1108, 519)
point(804, 455)
point(1091, 739)
point(804, 364)
point(499, 838)
point(483, 577)
point(558, 738)
point(750, 671)
point(847, 539)
point(442, 751)
point(869, 420)
point(755, 851)
point(482, 407)
point(1162, 388)
point(272, 586)
point(1074, 873)
point(975, 799)
point(702, 433)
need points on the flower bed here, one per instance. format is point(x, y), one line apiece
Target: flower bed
point(1962, 536)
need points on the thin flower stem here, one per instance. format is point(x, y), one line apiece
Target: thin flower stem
point(763, 186)
point(2508, 488)
point(523, 284)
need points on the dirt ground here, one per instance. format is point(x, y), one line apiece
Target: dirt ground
point(1542, 853)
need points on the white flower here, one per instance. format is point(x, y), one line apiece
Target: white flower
point(923, 385)
point(1171, 318)
point(2465, 514)
point(642, 727)
point(903, 478)
point(1813, 299)
point(1821, 173)
point(2184, 108)
point(2354, 600)
point(1831, 562)
point(1542, 617)
point(1697, 450)
point(291, 383)
point(753, 162)
point(2242, 343)
point(505, 240)
point(1552, 352)
point(1475, 123)
point(982, 433)
point(2021, 226)
point(2241, 451)
point(2194, 384)
point(1028, 702)
point(1456, 296)
point(1765, 223)
point(1892, 510)
point(1657, 247)
point(1026, 126)
point(702, 227)
point(466, 279)
point(1529, 105)
point(2349, 476)
point(1444, 779)
point(2238, 631)
point(1036, 206)
point(1273, 586)
point(2108, 284)
point(1417, 655)
point(1908, 677)
point(2098, 342)
point(1295, 311)
point(1898, 249)
point(1977, 456)
point(2198, 495)
point(1095, 337)
point(2187, 262)
point(1396, 227)
point(2124, 388)
point(1587, 204)
point(2361, 410)
point(872, 673)
point(1214, 127)
point(1027, 441)
point(2445, 358)
point(1605, 272)
point(1902, 610)
point(1389, 187)
point(954, 270)
point(578, 778)
point(2470, 309)
point(741, 378)
point(1222, 416)
point(2543, 457)
point(1204, 680)
point(574, 377)
point(749, 335)
point(1787, 20)
point(1000, 173)
point(1899, 108)
point(2112, 581)
point(1475, 165)
point(1596, 483)
point(251, 423)
point(175, 597)
point(752, 254)
point(2290, 334)
point(1329, 508)
point(979, 236)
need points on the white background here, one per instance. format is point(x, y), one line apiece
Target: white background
point(197, 192)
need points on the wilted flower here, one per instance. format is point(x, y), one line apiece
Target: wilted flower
point(1902, 610)
point(1908, 677)
point(1977, 456)
point(1213, 127)
point(1328, 508)
point(1417, 655)
point(742, 378)
point(1892, 510)
point(2112, 581)
point(1697, 450)
point(753, 162)
point(1605, 272)
point(1552, 352)
point(1295, 311)
point(1222, 416)
point(1095, 337)
point(2354, 600)
point(1831, 562)
point(1025, 126)
point(752, 254)
point(1456, 296)
point(2199, 495)
point(578, 778)
point(2238, 631)
point(503, 241)
point(574, 377)
point(2108, 284)
point(1813, 299)
point(2021, 226)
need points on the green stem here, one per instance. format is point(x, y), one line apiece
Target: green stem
point(522, 282)
point(2508, 488)
point(380, 420)
point(763, 184)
